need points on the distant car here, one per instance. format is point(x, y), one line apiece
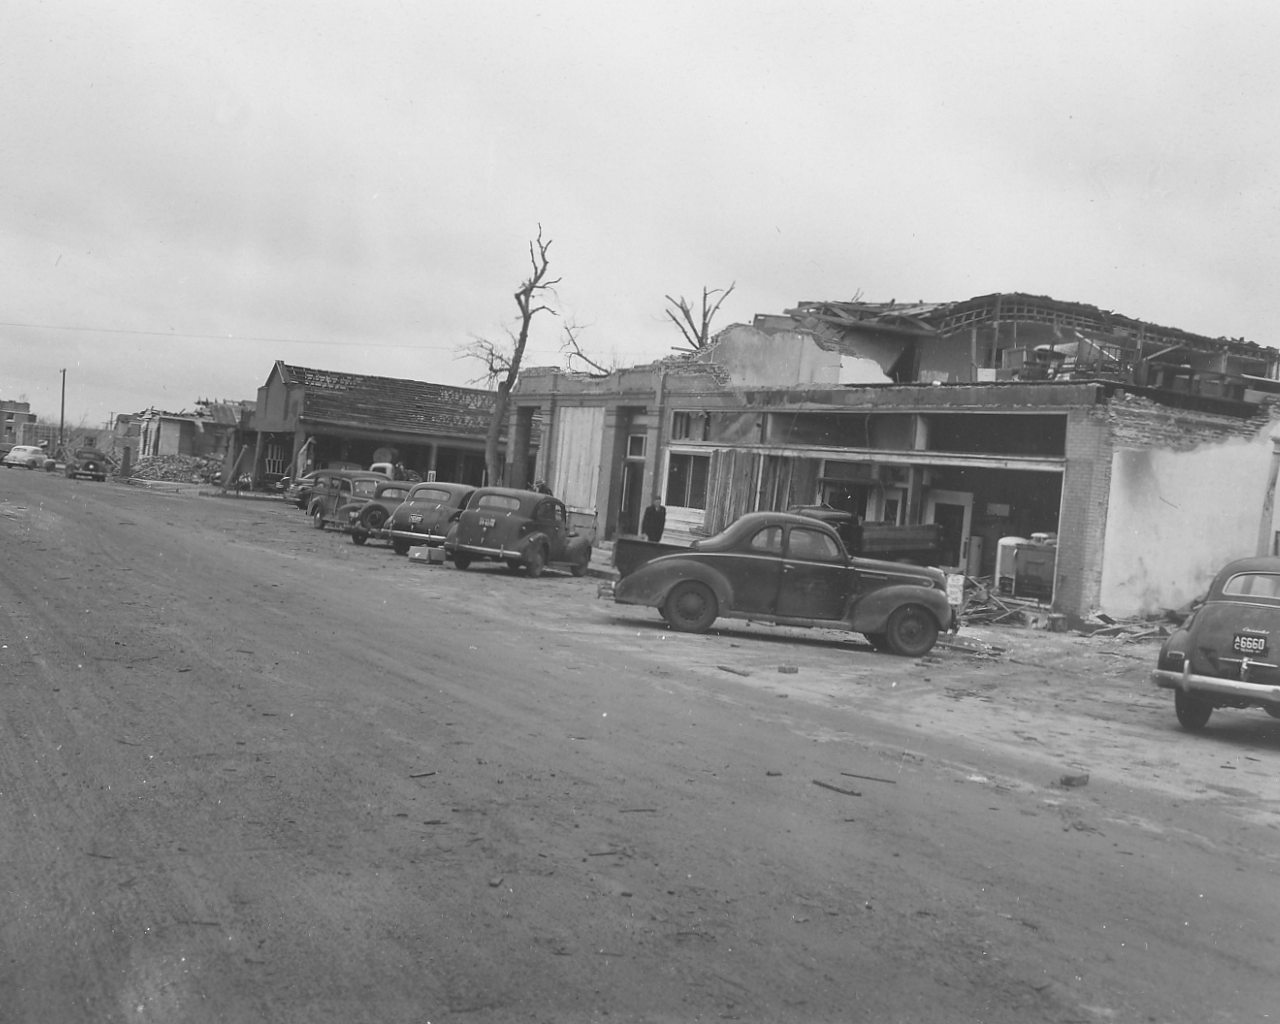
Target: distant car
point(25, 456)
point(425, 517)
point(334, 488)
point(789, 570)
point(87, 462)
point(298, 492)
point(365, 516)
point(524, 529)
point(1226, 654)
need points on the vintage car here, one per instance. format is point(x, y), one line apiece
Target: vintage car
point(365, 516)
point(1226, 654)
point(525, 529)
point(426, 516)
point(789, 570)
point(25, 456)
point(87, 462)
point(298, 492)
point(333, 488)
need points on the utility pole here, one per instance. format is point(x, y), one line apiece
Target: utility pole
point(62, 413)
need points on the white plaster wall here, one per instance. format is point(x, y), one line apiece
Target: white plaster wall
point(1174, 519)
point(862, 370)
point(755, 359)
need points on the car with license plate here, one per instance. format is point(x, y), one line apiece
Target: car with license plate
point(364, 517)
point(788, 570)
point(333, 488)
point(25, 456)
point(1226, 653)
point(425, 517)
point(527, 530)
point(86, 462)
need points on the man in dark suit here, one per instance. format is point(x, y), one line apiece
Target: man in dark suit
point(654, 520)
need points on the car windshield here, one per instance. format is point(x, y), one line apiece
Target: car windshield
point(365, 488)
point(502, 501)
point(431, 494)
point(86, 453)
point(1253, 584)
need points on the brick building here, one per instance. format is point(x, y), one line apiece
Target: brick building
point(13, 417)
point(1139, 452)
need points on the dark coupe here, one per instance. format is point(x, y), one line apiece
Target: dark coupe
point(1226, 654)
point(526, 529)
point(87, 462)
point(427, 514)
point(790, 570)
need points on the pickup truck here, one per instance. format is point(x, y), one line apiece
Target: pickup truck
point(920, 544)
point(788, 570)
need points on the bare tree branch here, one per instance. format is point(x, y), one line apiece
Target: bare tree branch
point(697, 332)
point(572, 350)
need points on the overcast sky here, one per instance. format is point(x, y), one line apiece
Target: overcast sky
point(193, 189)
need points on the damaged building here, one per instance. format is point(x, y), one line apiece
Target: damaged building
point(308, 418)
point(1074, 457)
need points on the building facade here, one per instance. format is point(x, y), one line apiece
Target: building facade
point(1139, 476)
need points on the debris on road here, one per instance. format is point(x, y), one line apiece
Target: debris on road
point(1074, 781)
point(735, 671)
point(869, 778)
point(788, 670)
point(836, 789)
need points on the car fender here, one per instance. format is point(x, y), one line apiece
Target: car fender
point(575, 546)
point(651, 583)
point(870, 612)
point(316, 506)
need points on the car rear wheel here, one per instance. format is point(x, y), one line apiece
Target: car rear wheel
point(911, 631)
point(462, 561)
point(582, 564)
point(1193, 712)
point(690, 607)
point(400, 547)
point(358, 536)
point(536, 562)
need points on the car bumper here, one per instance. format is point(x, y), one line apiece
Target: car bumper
point(475, 551)
point(413, 537)
point(1234, 689)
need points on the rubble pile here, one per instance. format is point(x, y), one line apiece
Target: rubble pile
point(177, 468)
point(983, 606)
point(1129, 629)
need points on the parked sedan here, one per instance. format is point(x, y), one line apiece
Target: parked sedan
point(426, 516)
point(25, 456)
point(790, 570)
point(334, 488)
point(1226, 654)
point(298, 492)
point(87, 462)
point(525, 529)
point(364, 516)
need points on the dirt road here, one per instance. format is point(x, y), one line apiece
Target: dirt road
point(252, 772)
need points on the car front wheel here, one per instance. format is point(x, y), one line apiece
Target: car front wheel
point(536, 562)
point(462, 561)
point(911, 631)
point(690, 607)
point(1193, 712)
point(400, 547)
point(317, 518)
point(582, 564)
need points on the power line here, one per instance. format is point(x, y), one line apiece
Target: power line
point(224, 337)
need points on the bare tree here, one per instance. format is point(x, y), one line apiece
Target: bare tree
point(571, 346)
point(501, 360)
point(697, 331)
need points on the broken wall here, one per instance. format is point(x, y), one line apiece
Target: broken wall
point(1186, 496)
point(787, 358)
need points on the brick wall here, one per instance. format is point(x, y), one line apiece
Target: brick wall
point(1138, 422)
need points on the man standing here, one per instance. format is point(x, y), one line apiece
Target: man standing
point(654, 520)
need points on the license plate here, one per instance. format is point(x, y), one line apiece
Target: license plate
point(415, 519)
point(486, 522)
point(1246, 644)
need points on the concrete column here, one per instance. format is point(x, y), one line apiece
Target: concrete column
point(1266, 527)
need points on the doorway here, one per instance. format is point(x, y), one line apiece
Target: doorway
point(953, 511)
point(632, 497)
